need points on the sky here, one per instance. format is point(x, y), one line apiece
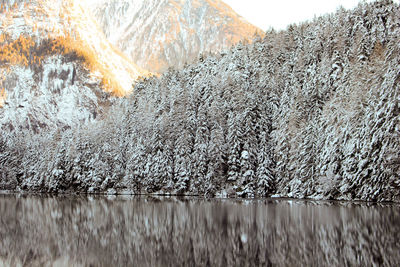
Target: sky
point(280, 13)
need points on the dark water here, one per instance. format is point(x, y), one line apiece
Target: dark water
point(129, 231)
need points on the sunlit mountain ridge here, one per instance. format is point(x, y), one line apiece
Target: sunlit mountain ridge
point(72, 28)
point(157, 34)
point(56, 66)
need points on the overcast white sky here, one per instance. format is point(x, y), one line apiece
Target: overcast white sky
point(280, 13)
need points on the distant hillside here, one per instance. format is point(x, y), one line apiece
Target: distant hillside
point(54, 65)
point(158, 34)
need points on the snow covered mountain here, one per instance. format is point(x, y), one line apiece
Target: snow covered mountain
point(55, 64)
point(310, 112)
point(157, 34)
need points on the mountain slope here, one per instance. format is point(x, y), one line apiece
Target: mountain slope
point(157, 34)
point(55, 64)
point(311, 112)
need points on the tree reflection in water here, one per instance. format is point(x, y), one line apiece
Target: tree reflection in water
point(145, 231)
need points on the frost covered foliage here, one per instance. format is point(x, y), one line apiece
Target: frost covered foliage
point(311, 112)
point(55, 93)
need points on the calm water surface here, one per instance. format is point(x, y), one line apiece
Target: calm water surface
point(145, 231)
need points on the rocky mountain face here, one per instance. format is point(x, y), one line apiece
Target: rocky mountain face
point(157, 34)
point(55, 65)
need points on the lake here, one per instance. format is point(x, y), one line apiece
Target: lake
point(152, 231)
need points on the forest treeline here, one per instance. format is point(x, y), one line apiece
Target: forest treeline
point(309, 112)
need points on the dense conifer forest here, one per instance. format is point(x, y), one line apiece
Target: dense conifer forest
point(309, 112)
